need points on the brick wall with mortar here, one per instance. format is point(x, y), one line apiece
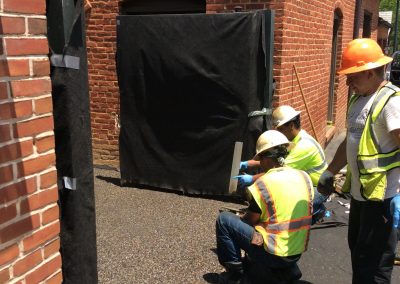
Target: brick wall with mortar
point(303, 37)
point(29, 214)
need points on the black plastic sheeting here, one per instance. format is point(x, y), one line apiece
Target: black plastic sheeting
point(187, 84)
point(74, 154)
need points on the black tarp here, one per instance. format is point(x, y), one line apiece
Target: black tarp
point(187, 84)
point(70, 94)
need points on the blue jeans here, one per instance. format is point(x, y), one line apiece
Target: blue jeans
point(233, 235)
point(318, 202)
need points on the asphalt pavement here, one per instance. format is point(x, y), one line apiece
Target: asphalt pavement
point(155, 236)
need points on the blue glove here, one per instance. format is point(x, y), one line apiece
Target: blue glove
point(244, 165)
point(325, 183)
point(395, 210)
point(244, 180)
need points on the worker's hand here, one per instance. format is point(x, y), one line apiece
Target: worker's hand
point(244, 180)
point(244, 165)
point(325, 183)
point(395, 210)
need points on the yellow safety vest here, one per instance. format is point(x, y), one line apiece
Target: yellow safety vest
point(372, 163)
point(307, 155)
point(284, 196)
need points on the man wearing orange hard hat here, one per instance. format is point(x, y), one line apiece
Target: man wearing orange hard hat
point(371, 151)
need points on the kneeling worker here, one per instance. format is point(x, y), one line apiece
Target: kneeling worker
point(275, 229)
point(307, 154)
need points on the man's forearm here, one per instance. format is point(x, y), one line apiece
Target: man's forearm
point(339, 160)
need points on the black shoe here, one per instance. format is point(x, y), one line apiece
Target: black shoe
point(234, 273)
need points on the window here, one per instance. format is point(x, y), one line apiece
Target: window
point(142, 7)
point(367, 25)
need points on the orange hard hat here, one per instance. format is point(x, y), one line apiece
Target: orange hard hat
point(362, 54)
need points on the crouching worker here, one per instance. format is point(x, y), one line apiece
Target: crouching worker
point(274, 230)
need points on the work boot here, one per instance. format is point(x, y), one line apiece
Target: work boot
point(233, 274)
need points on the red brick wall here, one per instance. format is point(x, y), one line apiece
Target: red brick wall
point(103, 85)
point(303, 37)
point(29, 215)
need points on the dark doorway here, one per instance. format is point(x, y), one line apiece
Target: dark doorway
point(367, 24)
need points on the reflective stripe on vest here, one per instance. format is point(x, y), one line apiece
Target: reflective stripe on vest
point(371, 162)
point(273, 227)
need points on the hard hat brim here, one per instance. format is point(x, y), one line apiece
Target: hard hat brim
point(282, 122)
point(372, 65)
point(289, 147)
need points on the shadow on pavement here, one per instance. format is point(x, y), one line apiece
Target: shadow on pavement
point(113, 180)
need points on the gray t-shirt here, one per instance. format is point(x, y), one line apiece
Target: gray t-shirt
point(388, 120)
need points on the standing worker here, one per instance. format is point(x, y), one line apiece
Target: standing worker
point(275, 229)
point(306, 155)
point(371, 152)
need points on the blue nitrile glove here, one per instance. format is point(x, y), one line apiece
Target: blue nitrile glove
point(244, 180)
point(395, 210)
point(325, 183)
point(244, 165)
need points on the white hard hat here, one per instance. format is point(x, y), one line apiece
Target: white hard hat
point(283, 114)
point(270, 139)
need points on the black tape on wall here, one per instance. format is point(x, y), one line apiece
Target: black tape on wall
point(187, 84)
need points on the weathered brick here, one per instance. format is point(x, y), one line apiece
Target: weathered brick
point(44, 105)
point(50, 215)
point(36, 165)
point(44, 144)
point(19, 228)
point(3, 91)
point(25, 6)
point(6, 174)
point(29, 88)
point(12, 25)
point(16, 110)
point(27, 262)
point(5, 134)
point(51, 248)
point(48, 179)
point(56, 279)
point(39, 200)
point(41, 236)
point(8, 254)
point(8, 213)
point(26, 46)
point(4, 275)
point(16, 151)
point(44, 271)
point(14, 68)
point(37, 26)
point(41, 68)
point(22, 188)
point(33, 127)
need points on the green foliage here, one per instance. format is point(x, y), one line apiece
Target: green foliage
point(387, 5)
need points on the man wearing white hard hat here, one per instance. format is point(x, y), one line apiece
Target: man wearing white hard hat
point(274, 231)
point(307, 154)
